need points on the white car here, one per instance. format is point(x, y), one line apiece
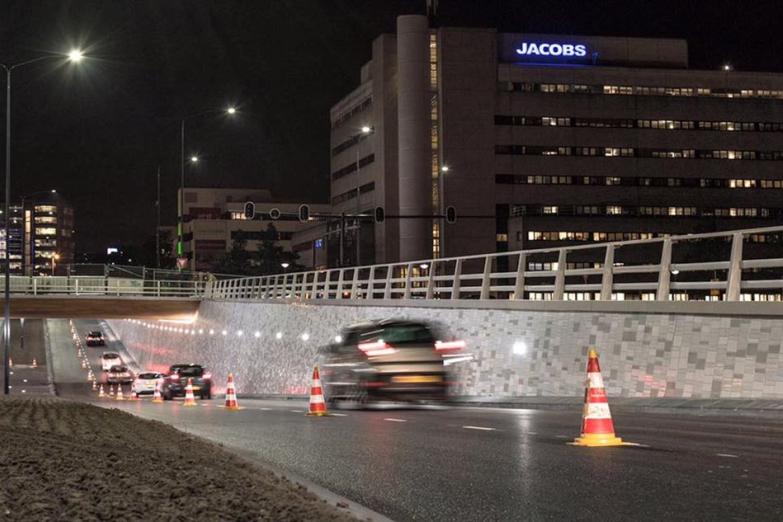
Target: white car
point(109, 359)
point(119, 374)
point(145, 382)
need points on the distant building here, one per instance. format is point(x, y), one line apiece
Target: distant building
point(541, 140)
point(41, 235)
point(215, 218)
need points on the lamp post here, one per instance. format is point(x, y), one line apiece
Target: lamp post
point(231, 111)
point(74, 56)
point(55, 258)
point(366, 131)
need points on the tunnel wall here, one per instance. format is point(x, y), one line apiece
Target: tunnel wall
point(518, 353)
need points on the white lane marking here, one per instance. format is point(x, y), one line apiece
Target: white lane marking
point(562, 437)
point(481, 428)
point(338, 414)
point(297, 411)
point(265, 409)
point(391, 419)
point(729, 455)
point(532, 433)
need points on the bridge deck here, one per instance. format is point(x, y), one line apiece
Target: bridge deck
point(104, 307)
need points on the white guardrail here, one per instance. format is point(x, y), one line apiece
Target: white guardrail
point(87, 286)
point(730, 266)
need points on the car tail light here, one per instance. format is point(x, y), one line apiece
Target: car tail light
point(173, 377)
point(379, 347)
point(450, 346)
point(207, 375)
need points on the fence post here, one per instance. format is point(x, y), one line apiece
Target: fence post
point(734, 279)
point(355, 284)
point(455, 284)
point(371, 283)
point(314, 291)
point(387, 287)
point(607, 278)
point(76, 286)
point(431, 281)
point(408, 272)
point(559, 291)
point(340, 284)
point(486, 278)
point(158, 285)
point(519, 284)
point(35, 286)
point(664, 271)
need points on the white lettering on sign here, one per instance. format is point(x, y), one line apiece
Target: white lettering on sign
point(551, 49)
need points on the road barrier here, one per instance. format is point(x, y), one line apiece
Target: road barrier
point(737, 265)
point(87, 286)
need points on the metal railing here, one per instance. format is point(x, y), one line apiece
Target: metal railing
point(731, 266)
point(90, 286)
point(135, 272)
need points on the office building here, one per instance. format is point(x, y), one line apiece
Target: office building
point(543, 140)
point(214, 219)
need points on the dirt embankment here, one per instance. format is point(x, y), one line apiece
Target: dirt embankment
point(62, 460)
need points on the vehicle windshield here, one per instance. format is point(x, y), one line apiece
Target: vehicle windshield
point(149, 376)
point(401, 334)
point(96, 334)
point(191, 371)
point(111, 356)
point(119, 369)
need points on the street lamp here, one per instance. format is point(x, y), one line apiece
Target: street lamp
point(74, 56)
point(285, 266)
point(55, 257)
point(231, 111)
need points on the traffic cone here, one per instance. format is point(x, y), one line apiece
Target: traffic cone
point(101, 395)
point(190, 400)
point(156, 398)
point(35, 363)
point(317, 403)
point(597, 425)
point(94, 386)
point(231, 394)
point(119, 396)
point(10, 363)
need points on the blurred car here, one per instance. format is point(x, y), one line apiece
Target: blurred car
point(94, 339)
point(176, 380)
point(109, 359)
point(145, 382)
point(390, 360)
point(119, 374)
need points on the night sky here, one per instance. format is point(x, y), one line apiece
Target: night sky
point(97, 132)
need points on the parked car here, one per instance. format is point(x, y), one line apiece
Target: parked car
point(94, 338)
point(144, 383)
point(176, 380)
point(109, 359)
point(397, 360)
point(119, 374)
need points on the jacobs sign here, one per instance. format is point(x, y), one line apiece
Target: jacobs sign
point(551, 49)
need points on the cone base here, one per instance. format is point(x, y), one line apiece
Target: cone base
point(157, 401)
point(189, 404)
point(592, 440)
point(317, 414)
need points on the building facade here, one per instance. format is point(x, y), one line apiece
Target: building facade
point(543, 140)
point(214, 219)
point(41, 234)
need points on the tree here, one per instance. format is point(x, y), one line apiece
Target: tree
point(237, 261)
point(271, 256)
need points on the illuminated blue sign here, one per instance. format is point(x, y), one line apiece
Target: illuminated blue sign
point(531, 49)
point(318, 243)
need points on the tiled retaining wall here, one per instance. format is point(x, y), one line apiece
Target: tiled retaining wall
point(518, 353)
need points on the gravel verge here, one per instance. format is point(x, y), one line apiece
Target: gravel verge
point(63, 460)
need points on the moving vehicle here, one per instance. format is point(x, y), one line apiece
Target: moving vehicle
point(119, 374)
point(145, 382)
point(94, 338)
point(176, 380)
point(394, 360)
point(109, 359)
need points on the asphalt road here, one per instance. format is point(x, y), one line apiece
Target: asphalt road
point(497, 464)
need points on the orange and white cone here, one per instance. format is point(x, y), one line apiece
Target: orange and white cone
point(231, 394)
point(156, 396)
point(597, 425)
point(317, 403)
point(35, 363)
point(94, 386)
point(119, 396)
point(190, 400)
point(101, 395)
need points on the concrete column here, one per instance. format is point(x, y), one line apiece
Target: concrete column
point(734, 279)
point(414, 149)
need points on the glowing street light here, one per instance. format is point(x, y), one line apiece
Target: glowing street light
point(366, 129)
point(194, 159)
point(231, 110)
point(74, 56)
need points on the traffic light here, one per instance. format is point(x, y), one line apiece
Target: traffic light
point(274, 213)
point(250, 210)
point(451, 215)
point(380, 214)
point(304, 213)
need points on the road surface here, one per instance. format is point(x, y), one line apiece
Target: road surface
point(504, 464)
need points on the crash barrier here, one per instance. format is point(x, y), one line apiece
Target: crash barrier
point(737, 265)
